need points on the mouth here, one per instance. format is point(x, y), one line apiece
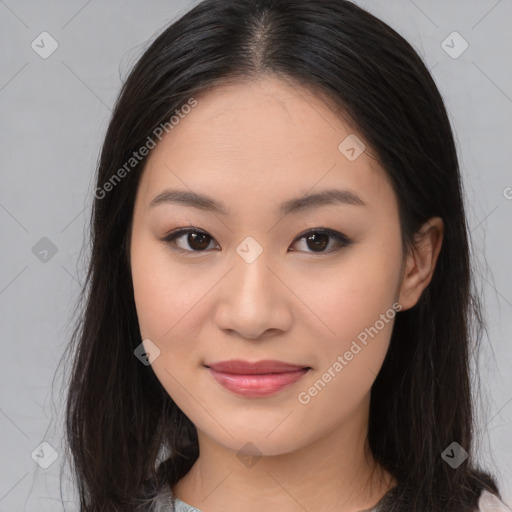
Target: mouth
point(257, 379)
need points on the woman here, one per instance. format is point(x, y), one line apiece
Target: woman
point(278, 306)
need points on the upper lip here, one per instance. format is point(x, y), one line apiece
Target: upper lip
point(240, 367)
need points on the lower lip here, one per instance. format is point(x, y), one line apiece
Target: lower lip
point(257, 385)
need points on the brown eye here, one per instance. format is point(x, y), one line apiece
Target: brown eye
point(317, 240)
point(195, 241)
point(198, 241)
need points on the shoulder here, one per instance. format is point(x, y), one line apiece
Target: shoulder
point(164, 502)
point(156, 499)
point(489, 502)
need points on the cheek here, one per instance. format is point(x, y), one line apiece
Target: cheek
point(354, 303)
point(165, 293)
point(168, 303)
point(353, 291)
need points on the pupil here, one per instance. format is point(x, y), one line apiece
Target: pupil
point(195, 237)
point(318, 244)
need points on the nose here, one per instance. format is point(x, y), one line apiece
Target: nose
point(253, 301)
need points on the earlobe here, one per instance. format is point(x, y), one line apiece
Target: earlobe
point(421, 261)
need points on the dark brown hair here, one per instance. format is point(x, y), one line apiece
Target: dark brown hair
point(127, 438)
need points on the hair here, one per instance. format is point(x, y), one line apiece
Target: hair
point(126, 436)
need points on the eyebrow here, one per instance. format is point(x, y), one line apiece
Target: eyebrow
point(298, 204)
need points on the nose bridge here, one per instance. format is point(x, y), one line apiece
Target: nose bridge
point(252, 302)
point(252, 274)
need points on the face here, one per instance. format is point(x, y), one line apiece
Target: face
point(312, 285)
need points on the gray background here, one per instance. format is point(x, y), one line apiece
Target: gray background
point(54, 113)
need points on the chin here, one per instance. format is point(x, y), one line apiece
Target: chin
point(249, 442)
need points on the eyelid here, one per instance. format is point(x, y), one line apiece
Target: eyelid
point(169, 238)
point(342, 239)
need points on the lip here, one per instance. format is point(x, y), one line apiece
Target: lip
point(256, 379)
point(240, 367)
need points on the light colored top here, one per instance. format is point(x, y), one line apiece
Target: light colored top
point(487, 502)
point(181, 506)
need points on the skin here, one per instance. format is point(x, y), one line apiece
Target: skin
point(253, 145)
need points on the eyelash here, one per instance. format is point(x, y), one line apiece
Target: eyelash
point(342, 240)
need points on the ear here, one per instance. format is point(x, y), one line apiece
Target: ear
point(421, 261)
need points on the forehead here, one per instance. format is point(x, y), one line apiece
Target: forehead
point(267, 136)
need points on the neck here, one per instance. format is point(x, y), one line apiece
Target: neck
point(333, 473)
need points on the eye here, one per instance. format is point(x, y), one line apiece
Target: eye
point(196, 239)
point(199, 241)
point(318, 240)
